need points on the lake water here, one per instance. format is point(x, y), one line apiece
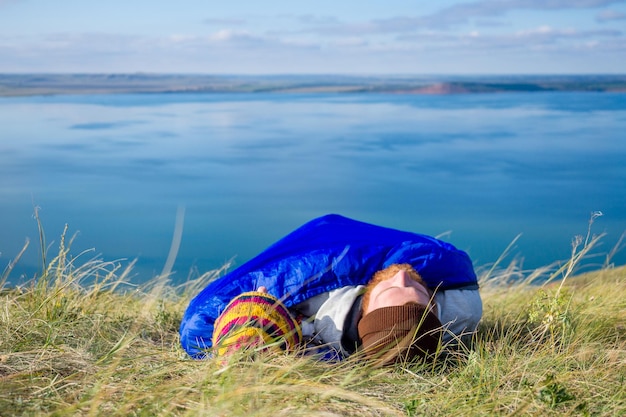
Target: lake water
point(247, 169)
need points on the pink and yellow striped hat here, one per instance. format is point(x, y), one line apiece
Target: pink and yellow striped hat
point(255, 320)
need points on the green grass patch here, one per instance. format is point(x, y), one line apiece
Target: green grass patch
point(80, 341)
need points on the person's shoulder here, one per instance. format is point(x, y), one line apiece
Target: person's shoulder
point(459, 301)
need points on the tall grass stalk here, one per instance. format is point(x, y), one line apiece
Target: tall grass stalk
point(81, 340)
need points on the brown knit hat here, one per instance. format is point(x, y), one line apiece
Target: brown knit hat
point(399, 333)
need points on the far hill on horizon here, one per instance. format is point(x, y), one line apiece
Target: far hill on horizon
point(50, 84)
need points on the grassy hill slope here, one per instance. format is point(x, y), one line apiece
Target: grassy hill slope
point(79, 341)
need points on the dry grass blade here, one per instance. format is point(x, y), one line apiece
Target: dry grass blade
point(82, 341)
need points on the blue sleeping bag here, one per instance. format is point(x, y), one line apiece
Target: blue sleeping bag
point(324, 254)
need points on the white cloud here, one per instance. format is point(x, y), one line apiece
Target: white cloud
point(547, 32)
point(229, 35)
point(181, 38)
point(540, 38)
point(485, 13)
point(610, 15)
point(462, 13)
point(351, 42)
point(311, 43)
point(222, 37)
point(500, 7)
point(544, 30)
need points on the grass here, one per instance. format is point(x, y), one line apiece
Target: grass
point(79, 340)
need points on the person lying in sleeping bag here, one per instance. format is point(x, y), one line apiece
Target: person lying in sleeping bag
point(342, 285)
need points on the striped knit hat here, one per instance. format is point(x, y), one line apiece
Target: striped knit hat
point(255, 319)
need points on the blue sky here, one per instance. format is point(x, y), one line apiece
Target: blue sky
point(316, 37)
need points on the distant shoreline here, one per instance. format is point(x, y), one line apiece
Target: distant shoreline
point(21, 85)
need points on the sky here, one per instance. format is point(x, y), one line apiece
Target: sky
point(403, 37)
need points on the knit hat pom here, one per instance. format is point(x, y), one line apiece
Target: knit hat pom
point(255, 320)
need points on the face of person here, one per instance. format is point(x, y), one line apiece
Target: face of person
point(398, 290)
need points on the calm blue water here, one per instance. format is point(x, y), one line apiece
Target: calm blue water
point(250, 168)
